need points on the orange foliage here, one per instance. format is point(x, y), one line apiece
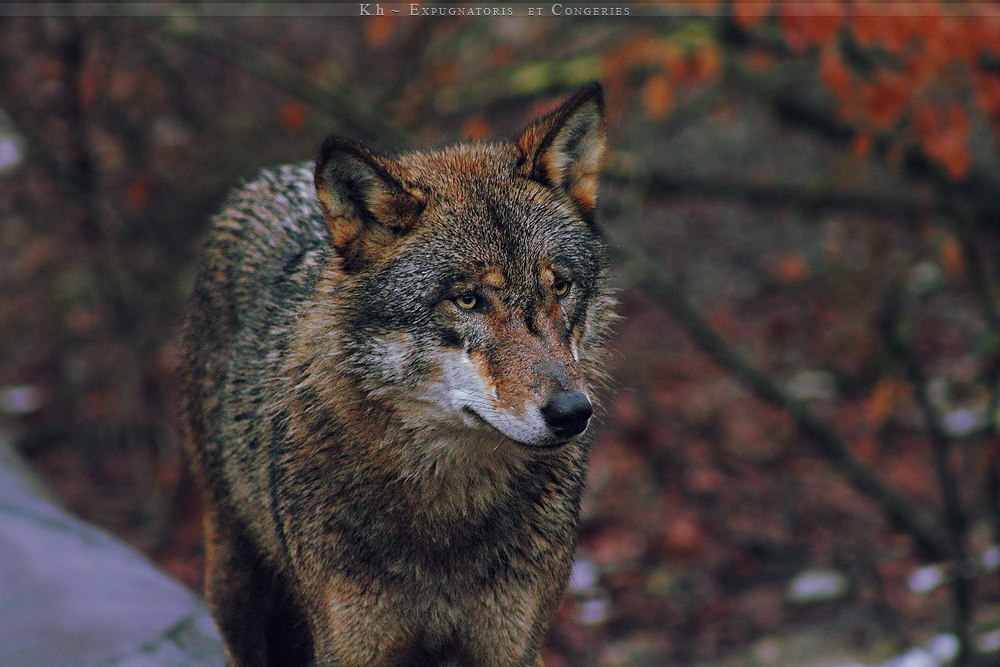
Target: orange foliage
point(683, 534)
point(760, 60)
point(293, 115)
point(924, 61)
point(749, 13)
point(674, 63)
point(706, 64)
point(866, 23)
point(790, 269)
point(808, 24)
point(888, 394)
point(92, 79)
point(689, 66)
point(865, 449)
point(476, 128)
point(669, 55)
point(139, 193)
point(445, 73)
point(945, 136)
point(952, 257)
point(379, 29)
point(658, 96)
point(501, 56)
point(835, 75)
point(921, 65)
point(987, 92)
point(862, 144)
point(884, 101)
point(890, 27)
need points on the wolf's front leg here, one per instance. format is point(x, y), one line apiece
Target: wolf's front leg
point(260, 624)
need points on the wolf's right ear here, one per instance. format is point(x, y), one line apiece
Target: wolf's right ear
point(365, 200)
point(565, 149)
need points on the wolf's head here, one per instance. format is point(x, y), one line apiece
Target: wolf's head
point(474, 279)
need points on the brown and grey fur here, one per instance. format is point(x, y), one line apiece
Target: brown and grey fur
point(370, 364)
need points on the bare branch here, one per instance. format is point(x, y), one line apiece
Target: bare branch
point(288, 77)
point(956, 520)
point(805, 196)
point(639, 269)
point(979, 269)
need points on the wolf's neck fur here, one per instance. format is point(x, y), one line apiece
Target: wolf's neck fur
point(459, 475)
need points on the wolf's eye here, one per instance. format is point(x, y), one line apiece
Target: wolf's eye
point(560, 288)
point(466, 301)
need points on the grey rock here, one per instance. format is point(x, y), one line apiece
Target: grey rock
point(71, 595)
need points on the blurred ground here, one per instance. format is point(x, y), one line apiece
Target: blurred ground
point(704, 502)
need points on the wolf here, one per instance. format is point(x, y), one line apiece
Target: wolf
point(389, 364)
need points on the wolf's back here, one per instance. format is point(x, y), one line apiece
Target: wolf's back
point(253, 270)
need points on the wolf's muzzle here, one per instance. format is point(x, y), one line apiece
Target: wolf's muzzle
point(567, 413)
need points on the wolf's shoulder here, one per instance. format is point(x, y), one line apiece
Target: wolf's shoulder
point(268, 243)
point(276, 207)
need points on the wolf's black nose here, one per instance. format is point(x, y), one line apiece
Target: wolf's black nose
point(567, 413)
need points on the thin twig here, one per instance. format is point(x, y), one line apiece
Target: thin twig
point(979, 269)
point(111, 276)
point(982, 278)
point(806, 196)
point(955, 518)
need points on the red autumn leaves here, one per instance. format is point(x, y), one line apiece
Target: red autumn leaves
point(908, 74)
point(917, 68)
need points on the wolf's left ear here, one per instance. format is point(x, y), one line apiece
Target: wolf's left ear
point(565, 149)
point(367, 204)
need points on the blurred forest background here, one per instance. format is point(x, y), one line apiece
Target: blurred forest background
point(803, 203)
